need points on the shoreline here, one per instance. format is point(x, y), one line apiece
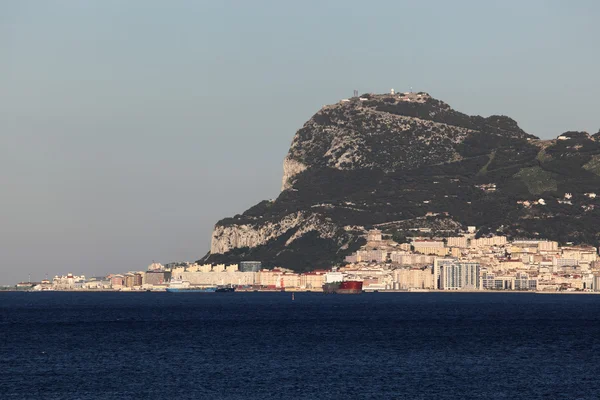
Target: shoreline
point(318, 291)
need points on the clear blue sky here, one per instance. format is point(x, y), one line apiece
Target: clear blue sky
point(128, 128)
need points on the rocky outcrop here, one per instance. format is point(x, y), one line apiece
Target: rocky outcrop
point(291, 168)
point(227, 238)
point(391, 133)
point(405, 161)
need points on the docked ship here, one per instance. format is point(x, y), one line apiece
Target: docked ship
point(180, 286)
point(345, 287)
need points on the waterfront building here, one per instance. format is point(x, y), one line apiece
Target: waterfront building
point(487, 280)
point(504, 282)
point(223, 278)
point(437, 264)
point(68, 282)
point(414, 278)
point(270, 278)
point(129, 280)
point(312, 280)
point(290, 280)
point(117, 281)
point(459, 275)
point(157, 277)
point(97, 282)
point(520, 281)
point(45, 284)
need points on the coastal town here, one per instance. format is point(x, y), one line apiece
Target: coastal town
point(462, 262)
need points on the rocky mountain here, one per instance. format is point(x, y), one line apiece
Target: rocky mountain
point(405, 161)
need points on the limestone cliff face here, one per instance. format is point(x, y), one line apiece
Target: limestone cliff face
point(230, 237)
point(279, 239)
point(291, 168)
point(380, 160)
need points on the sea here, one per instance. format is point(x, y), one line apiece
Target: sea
point(111, 345)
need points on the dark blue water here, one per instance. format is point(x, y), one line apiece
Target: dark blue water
point(265, 346)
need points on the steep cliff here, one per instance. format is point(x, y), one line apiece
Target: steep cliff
point(409, 160)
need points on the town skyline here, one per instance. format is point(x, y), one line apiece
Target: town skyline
point(449, 260)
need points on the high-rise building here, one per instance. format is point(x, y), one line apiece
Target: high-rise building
point(487, 280)
point(414, 278)
point(437, 264)
point(129, 280)
point(138, 279)
point(459, 275)
point(117, 280)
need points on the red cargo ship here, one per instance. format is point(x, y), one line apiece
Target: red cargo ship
point(346, 287)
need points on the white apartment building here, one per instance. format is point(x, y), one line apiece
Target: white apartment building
point(460, 241)
point(460, 275)
point(427, 243)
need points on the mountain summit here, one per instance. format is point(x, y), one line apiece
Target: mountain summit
point(405, 161)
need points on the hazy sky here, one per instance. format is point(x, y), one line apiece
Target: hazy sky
point(128, 128)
